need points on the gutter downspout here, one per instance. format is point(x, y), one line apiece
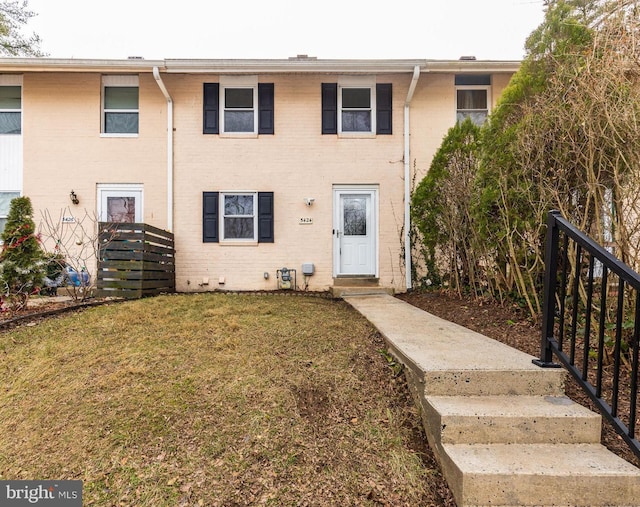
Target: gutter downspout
point(407, 178)
point(163, 89)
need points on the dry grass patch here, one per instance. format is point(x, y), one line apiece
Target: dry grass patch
point(213, 400)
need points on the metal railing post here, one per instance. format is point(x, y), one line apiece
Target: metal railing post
point(549, 297)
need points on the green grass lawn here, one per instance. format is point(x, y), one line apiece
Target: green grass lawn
point(213, 399)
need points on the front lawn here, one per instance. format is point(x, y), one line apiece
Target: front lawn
point(213, 399)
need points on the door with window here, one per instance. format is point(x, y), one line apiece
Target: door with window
point(120, 203)
point(355, 232)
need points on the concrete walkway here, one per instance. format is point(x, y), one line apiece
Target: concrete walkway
point(501, 427)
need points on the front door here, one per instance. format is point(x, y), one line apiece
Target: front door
point(355, 232)
point(120, 203)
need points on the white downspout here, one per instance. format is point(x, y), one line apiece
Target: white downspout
point(163, 89)
point(407, 177)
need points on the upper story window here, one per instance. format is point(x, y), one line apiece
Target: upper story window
point(357, 107)
point(473, 97)
point(10, 109)
point(239, 111)
point(356, 110)
point(238, 106)
point(120, 105)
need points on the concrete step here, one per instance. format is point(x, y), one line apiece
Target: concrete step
point(356, 281)
point(470, 375)
point(495, 382)
point(540, 475)
point(341, 291)
point(501, 427)
point(510, 420)
point(446, 359)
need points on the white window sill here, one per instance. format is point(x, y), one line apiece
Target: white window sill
point(239, 135)
point(236, 242)
point(102, 134)
point(356, 135)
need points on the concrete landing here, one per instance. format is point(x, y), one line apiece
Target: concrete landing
point(501, 427)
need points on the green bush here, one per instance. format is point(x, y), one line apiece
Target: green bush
point(441, 207)
point(21, 260)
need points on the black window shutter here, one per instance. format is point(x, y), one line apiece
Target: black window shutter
point(211, 99)
point(329, 108)
point(265, 217)
point(383, 108)
point(210, 217)
point(265, 108)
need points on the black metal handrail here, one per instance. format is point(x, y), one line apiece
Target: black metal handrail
point(579, 315)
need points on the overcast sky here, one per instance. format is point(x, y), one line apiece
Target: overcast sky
point(434, 29)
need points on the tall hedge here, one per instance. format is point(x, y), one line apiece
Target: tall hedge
point(441, 208)
point(563, 135)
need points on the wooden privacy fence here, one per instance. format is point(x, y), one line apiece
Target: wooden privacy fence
point(135, 260)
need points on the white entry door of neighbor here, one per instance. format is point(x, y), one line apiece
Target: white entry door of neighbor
point(355, 231)
point(120, 203)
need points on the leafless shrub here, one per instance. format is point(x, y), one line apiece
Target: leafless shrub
point(73, 240)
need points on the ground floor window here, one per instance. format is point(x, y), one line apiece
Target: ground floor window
point(5, 204)
point(237, 217)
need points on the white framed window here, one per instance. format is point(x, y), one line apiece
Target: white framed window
point(239, 216)
point(357, 106)
point(5, 204)
point(10, 105)
point(120, 105)
point(239, 105)
point(473, 97)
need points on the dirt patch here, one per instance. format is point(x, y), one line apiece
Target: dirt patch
point(509, 325)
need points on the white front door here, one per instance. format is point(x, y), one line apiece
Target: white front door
point(120, 203)
point(355, 232)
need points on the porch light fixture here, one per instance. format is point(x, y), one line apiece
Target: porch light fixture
point(74, 197)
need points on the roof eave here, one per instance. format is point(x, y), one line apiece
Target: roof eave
point(295, 65)
point(254, 66)
point(77, 65)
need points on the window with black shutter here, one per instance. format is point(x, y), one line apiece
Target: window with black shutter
point(329, 108)
point(234, 111)
point(383, 108)
point(265, 217)
point(244, 216)
point(350, 109)
point(210, 217)
point(265, 108)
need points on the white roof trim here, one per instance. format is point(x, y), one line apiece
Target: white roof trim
point(234, 66)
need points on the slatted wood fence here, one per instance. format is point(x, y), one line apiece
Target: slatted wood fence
point(135, 260)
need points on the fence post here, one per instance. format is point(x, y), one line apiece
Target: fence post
point(549, 296)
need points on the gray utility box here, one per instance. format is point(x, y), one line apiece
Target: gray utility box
point(308, 269)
